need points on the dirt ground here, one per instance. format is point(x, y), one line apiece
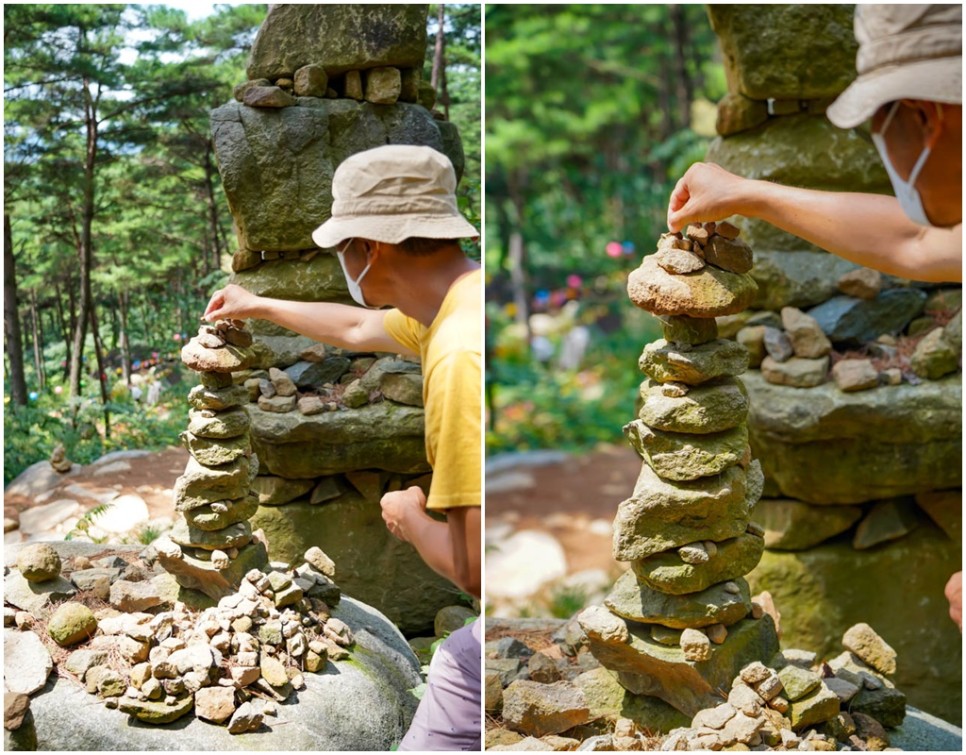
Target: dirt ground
point(565, 497)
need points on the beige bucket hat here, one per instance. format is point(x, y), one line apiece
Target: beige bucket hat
point(905, 52)
point(393, 193)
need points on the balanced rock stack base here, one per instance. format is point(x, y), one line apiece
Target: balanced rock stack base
point(211, 546)
point(680, 624)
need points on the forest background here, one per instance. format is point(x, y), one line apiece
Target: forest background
point(116, 228)
point(592, 114)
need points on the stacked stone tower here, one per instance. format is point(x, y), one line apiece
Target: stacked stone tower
point(680, 624)
point(211, 547)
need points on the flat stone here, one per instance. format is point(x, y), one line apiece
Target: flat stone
point(44, 518)
point(662, 515)
point(714, 605)
point(35, 597)
point(855, 375)
point(26, 662)
point(284, 386)
point(134, 596)
point(924, 732)
point(233, 536)
point(710, 292)
point(226, 359)
point(216, 452)
point(79, 661)
point(71, 623)
point(678, 261)
point(277, 404)
point(805, 334)
point(710, 408)
point(215, 704)
point(844, 690)
point(821, 704)
point(197, 574)
point(646, 667)
point(777, 344)
point(886, 520)
point(667, 572)
point(797, 372)
point(733, 255)
point(309, 375)
point(793, 525)
point(403, 388)
point(16, 706)
point(539, 709)
point(714, 718)
point(156, 712)
point(851, 321)
point(221, 514)
point(679, 456)
point(217, 399)
point(752, 338)
point(268, 97)
point(230, 424)
point(663, 362)
point(863, 640)
point(200, 485)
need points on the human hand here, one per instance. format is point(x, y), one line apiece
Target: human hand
point(230, 303)
point(705, 192)
point(399, 506)
point(954, 594)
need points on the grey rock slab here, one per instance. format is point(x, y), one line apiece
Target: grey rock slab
point(794, 525)
point(26, 661)
point(36, 479)
point(922, 731)
point(358, 704)
point(848, 320)
point(35, 597)
point(796, 372)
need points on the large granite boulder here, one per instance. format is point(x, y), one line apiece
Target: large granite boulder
point(362, 703)
point(338, 38)
point(786, 52)
point(277, 164)
point(370, 563)
point(824, 590)
point(296, 446)
point(835, 447)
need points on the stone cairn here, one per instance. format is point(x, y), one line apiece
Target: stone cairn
point(676, 625)
point(211, 547)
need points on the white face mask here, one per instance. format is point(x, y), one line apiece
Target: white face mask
point(906, 192)
point(355, 290)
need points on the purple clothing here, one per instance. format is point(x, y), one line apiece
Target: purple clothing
point(448, 717)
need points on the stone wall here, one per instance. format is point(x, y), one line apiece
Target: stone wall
point(333, 430)
point(856, 381)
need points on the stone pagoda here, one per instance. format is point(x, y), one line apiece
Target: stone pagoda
point(680, 623)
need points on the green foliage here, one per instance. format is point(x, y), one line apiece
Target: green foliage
point(567, 601)
point(84, 523)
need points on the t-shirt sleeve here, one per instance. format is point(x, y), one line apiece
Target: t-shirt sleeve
point(403, 330)
point(454, 426)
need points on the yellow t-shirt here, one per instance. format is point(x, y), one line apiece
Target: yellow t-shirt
point(450, 353)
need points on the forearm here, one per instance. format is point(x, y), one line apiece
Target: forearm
point(340, 325)
point(449, 548)
point(868, 229)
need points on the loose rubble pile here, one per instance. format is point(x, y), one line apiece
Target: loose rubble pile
point(211, 547)
point(230, 663)
point(681, 623)
point(559, 698)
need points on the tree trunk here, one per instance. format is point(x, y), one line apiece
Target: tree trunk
point(436, 75)
point(212, 211)
point(101, 374)
point(66, 325)
point(38, 341)
point(11, 320)
point(685, 87)
point(85, 248)
point(122, 307)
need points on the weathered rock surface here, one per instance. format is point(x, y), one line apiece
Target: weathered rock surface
point(71, 623)
point(338, 39)
point(894, 440)
point(664, 362)
point(38, 562)
point(793, 525)
point(714, 605)
point(852, 321)
point(710, 292)
point(26, 662)
point(539, 709)
point(683, 457)
point(710, 408)
point(669, 573)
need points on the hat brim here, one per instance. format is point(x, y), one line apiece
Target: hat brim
point(392, 229)
point(937, 80)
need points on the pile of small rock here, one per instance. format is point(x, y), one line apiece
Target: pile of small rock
point(211, 547)
point(675, 624)
point(798, 704)
point(224, 663)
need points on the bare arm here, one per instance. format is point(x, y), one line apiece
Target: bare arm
point(868, 229)
point(341, 325)
point(450, 548)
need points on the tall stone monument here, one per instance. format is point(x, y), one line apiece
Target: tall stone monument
point(333, 430)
